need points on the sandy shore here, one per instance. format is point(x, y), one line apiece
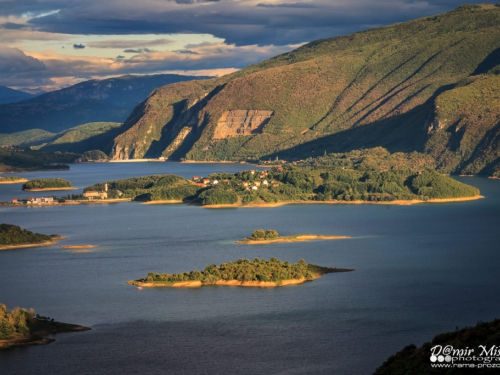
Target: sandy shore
point(20, 181)
point(396, 202)
point(22, 246)
point(78, 246)
point(164, 202)
point(52, 189)
point(197, 284)
point(298, 238)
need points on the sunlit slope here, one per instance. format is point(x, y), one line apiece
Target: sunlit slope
point(373, 88)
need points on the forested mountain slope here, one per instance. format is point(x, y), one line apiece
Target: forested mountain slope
point(406, 87)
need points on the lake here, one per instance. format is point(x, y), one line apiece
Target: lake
point(420, 270)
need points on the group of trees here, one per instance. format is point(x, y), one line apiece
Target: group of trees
point(46, 183)
point(14, 235)
point(243, 270)
point(15, 321)
point(94, 155)
point(155, 187)
point(262, 234)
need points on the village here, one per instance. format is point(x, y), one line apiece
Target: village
point(261, 182)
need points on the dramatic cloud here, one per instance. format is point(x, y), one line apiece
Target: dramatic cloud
point(13, 60)
point(242, 22)
point(153, 36)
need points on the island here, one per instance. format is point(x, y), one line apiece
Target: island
point(21, 327)
point(261, 237)
point(47, 184)
point(12, 180)
point(15, 237)
point(467, 342)
point(291, 184)
point(243, 272)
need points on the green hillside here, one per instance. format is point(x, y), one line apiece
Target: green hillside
point(95, 135)
point(392, 87)
point(25, 137)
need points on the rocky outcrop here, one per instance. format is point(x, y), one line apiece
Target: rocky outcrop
point(241, 122)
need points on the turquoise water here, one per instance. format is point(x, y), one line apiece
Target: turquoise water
point(420, 270)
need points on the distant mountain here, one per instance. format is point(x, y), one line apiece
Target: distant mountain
point(429, 85)
point(8, 95)
point(108, 100)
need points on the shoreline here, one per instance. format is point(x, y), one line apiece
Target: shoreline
point(20, 181)
point(27, 245)
point(258, 205)
point(198, 284)
point(52, 189)
point(298, 238)
point(396, 202)
point(174, 201)
point(78, 246)
point(37, 338)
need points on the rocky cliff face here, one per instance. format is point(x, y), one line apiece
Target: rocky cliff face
point(241, 122)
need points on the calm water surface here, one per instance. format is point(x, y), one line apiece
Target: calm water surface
point(420, 270)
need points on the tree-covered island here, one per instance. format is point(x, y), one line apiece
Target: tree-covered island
point(261, 237)
point(243, 272)
point(21, 327)
point(13, 236)
point(47, 184)
point(294, 184)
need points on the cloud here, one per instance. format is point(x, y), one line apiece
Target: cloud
point(187, 52)
point(78, 46)
point(139, 50)
point(127, 43)
point(239, 22)
point(48, 67)
point(14, 61)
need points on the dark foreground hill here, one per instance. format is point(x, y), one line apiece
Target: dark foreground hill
point(430, 85)
point(107, 100)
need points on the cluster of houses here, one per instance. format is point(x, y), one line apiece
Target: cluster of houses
point(254, 185)
point(32, 200)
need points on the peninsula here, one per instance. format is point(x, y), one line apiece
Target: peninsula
point(261, 237)
point(293, 184)
point(243, 272)
point(12, 180)
point(21, 327)
point(15, 237)
point(48, 184)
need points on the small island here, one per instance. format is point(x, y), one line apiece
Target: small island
point(15, 237)
point(261, 237)
point(47, 184)
point(243, 272)
point(12, 180)
point(21, 327)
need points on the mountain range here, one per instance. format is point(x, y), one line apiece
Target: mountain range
point(429, 85)
point(108, 100)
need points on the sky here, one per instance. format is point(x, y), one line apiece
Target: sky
point(50, 44)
